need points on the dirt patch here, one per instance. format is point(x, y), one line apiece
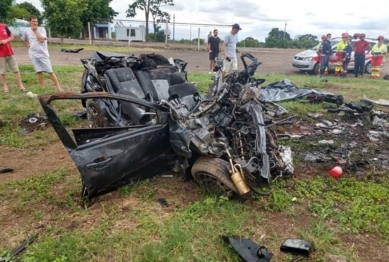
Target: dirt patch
point(33, 161)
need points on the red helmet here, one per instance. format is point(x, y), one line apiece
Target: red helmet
point(381, 37)
point(345, 35)
point(323, 37)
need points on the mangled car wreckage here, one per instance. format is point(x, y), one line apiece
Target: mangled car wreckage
point(145, 118)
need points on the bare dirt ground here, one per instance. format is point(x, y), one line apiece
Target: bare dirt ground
point(274, 61)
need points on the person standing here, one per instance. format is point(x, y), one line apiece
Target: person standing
point(339, 55)
point(378, 52)
point(7, 58)
point(346, 56)
point(213, 49)
point(35, 39)
point(360, 49)
point(230, 61)
point(323, 37)
point(325, 51)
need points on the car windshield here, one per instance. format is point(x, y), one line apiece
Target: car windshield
point(333, 42)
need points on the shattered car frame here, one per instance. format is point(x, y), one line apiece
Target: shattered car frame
point(103, 155)
point(225, 141)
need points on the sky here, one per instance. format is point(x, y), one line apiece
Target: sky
point(257, 18)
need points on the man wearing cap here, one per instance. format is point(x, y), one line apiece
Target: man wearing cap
point(230, 61)
point(325, 51)
point(360, 49)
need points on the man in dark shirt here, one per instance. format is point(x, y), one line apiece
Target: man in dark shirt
point(325, 51)
point(360, 49)
point(214, 49)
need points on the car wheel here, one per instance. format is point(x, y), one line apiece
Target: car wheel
point(95, 115)
point(316, 69)
point(368, 68)
point(212, 174)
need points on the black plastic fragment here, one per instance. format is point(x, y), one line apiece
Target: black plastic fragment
point(297, 246)
point(6, 170)
point(163, 202)
point(248, 250)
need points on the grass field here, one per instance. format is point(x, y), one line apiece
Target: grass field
point(346, 217)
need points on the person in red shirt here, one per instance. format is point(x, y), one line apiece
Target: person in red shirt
point(7, 58)
point(360, 49)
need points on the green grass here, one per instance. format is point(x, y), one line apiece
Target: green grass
point(130, 225)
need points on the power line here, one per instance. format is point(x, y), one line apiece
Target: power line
point(150, 21)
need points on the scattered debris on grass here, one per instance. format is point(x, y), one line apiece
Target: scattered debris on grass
point(33, 122)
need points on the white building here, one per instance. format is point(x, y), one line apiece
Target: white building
point(128, 33)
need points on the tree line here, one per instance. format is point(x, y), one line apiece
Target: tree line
point(69, 18)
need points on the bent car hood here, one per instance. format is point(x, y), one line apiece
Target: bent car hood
point(306, 53)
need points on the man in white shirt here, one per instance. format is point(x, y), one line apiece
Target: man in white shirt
point(229, 49)
point(35, 39)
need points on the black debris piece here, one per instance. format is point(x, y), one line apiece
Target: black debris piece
point(248, 250)
point(71, 50)
point(297, 246)
point(6, 170)
point(286, 90)
point(163, 202)
point(32, 122)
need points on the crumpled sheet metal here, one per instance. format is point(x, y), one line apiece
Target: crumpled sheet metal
point(382, 102)
point(286, 90)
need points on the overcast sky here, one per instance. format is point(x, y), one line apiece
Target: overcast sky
point(257, 18)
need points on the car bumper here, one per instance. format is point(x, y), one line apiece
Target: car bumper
point(303, 65)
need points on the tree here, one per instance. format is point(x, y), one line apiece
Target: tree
point(279, 34)
point(249, 42)
point(99, 10)
point(5, 8)
point(63, 16)
point(307, 38)
point(17, 12)
point(149, 6)
point(32, 10)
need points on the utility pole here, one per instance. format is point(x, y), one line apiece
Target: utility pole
point(174, 24)
point(285, 30)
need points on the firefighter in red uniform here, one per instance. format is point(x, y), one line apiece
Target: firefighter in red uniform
point(378, 52)
point(339, 55)
point(7, 58)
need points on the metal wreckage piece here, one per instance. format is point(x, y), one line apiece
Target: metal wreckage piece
point(224, 140)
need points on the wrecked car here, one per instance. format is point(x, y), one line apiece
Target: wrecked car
point(141, 129)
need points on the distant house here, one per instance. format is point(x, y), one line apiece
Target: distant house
point(135, 34)
point(102, 31)
point(18, 26)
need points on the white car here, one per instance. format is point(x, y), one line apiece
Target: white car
point(308, 60)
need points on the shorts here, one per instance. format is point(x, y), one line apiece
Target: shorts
point(230, 65)
point(213, 56)
point(42, 65)
point(10, 61)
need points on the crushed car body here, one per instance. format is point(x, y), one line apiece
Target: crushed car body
point(139, 129)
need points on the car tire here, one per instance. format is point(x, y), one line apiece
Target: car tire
point(368, 68)
point(95, 115)
point(316, 69)
point(213, 175)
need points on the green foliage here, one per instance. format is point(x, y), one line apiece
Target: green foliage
point(152, 7)
point(5, 8)
point(278, 39)
point(64, 15)
point(18, 12)
point(250, 42)
point(31, 9)
point(98, 10)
